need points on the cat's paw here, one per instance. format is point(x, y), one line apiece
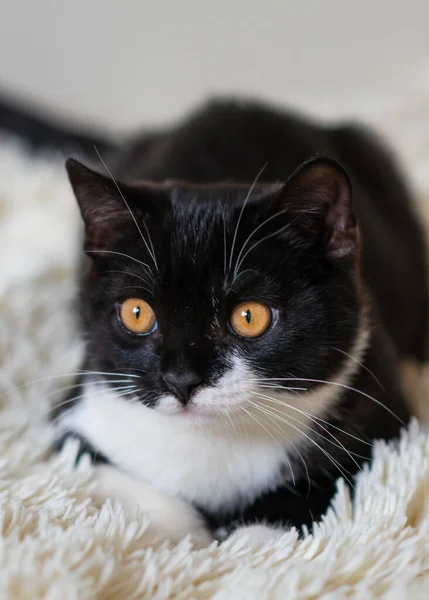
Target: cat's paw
point(170, 518)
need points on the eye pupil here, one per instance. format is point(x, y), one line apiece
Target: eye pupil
point(250, 319)
point(138, 316)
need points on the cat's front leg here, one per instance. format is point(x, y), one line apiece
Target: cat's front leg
point(170, 517)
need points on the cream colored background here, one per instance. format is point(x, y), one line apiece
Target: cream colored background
point(132, 62)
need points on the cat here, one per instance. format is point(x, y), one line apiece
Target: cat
point(254, 281)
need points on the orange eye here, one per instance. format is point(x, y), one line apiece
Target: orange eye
point(250, 319)
point(138, 316)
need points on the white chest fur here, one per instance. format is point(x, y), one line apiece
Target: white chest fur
point(217, 466)
point(214, 469)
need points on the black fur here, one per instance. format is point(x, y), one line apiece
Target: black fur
point(231, 141)
point(39, 133)
point(315, 269)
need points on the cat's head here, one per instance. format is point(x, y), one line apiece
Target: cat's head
point(214, 296)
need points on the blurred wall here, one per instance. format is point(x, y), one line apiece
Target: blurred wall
point(133, 61)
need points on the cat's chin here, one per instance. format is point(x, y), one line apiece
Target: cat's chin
point(169, 405)
point(195, 414)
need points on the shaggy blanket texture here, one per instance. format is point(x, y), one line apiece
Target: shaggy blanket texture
point(57, 541)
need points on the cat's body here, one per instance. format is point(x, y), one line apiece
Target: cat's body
point(347, 307)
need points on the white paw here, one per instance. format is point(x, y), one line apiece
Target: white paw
point(170, 518)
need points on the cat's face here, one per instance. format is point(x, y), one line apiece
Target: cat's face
point(208, 294)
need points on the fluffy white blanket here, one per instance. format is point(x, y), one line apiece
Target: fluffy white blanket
point(56, 542)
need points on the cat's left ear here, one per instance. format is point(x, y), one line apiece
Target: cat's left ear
point(319, 195)
point(101, 204)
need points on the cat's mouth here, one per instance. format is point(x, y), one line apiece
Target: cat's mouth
point(193, 410)
point(195, 414)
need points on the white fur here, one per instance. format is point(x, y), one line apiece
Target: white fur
point(215, 462)
point(256, 534)
point(174, 454)
point(170, 517)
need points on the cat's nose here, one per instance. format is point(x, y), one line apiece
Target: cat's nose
point(182, 383)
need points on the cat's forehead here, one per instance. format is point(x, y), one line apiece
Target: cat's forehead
point(199, 230)
point(185, 195)
point(184, 187)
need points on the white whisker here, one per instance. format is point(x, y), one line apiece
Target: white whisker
point(287, 388)
point(338, 384)
point(119, 254)
point(123, 391)
point(151, 253)
point(327, 454)
point(231, 421)
point(237, 262)
point(274, 439)
point(304, 399)
point(137, 287)
point(78, 385)
point(255, 181)
point(338, 444)
point(128, 274)
point(139, 370)
point(290, 441)
point(224, 244)
point(68, 376)
point(267, 237)
point(376, 379)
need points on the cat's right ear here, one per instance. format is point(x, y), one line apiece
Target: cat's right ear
point(101, 204)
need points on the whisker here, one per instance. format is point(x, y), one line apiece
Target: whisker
point(237, 262)
point(119, 254)
point(151, 253)
point(303, 398)
point(139, 370)
point(336, 464)
point(267, 237)
point(238, 415)
point(231, 421)
point(107, 373)
point(243, 422)
point(68, 375)
point(79, 385)
point(127, 273)
point(274, 439)
point(255, 181)
point(136, 399)
point(287, 388)
point(338, 384)
point(290, 441)
point(221, 414)
point(338, 444)
point(238, 276)
point(137, 287)
point(376, 379)
point(123, 392)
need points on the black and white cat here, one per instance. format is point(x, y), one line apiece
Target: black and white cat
point(255, 281)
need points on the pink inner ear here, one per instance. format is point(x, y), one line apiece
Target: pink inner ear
point(320, 190)
point(341, 220)
point(342, 242)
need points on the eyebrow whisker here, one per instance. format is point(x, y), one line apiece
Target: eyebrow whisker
point(249, 193)
point(151, 252)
